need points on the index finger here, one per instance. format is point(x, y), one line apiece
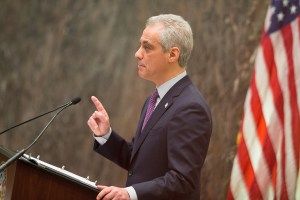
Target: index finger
point(103, 192)
point(101, 187)
point(97, 103)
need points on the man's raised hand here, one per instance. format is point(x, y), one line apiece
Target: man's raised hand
point(99, 121)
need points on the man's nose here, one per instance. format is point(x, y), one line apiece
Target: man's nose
point(138, 54)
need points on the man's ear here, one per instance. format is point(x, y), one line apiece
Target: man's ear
point(174, 54)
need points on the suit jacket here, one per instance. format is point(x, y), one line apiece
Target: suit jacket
point(164, 160)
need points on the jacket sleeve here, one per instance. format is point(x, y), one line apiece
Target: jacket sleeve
point(115, 149)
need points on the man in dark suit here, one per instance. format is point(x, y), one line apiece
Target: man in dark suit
point(165, 157)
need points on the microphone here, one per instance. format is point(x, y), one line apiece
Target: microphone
point(75, 100)
point(20, 153)
point(72, 102)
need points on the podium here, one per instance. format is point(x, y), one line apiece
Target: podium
point(29, 179)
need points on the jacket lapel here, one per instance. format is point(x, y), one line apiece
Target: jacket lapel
point(161, 108)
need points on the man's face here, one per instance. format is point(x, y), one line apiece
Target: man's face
point(152, 61)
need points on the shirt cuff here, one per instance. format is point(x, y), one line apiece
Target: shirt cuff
point(103, 139)
point(132, 193)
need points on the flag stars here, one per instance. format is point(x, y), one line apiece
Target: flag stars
point(280, 16)
point(273, 10)
point(281, 13)
point(285, 3)
point(293, 9)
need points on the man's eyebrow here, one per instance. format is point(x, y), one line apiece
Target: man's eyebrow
point(146, 43)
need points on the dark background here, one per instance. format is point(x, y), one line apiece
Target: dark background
point(52, 51)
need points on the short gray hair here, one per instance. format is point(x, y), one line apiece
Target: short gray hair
point(176, 33)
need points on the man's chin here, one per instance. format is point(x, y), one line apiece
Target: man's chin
point(142, 75)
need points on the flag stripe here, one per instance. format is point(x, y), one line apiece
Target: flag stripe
point(292, 86)
point(248, 172)
point(296, 50)
point(281, 66)
point(266, 163)
point(293, 157)
point(276, 129)
point(270, 143)
point(243, 157)
point(238, 183)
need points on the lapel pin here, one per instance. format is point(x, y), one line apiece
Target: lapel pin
point(166, 105)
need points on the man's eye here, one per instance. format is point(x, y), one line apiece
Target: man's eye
point(147, 47)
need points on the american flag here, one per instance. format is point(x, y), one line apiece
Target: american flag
point(267, 162)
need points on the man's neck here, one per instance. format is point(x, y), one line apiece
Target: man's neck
point(164, 88)
point(171, 75)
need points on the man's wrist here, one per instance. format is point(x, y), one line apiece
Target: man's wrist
point(103, 139)
point(132, 193)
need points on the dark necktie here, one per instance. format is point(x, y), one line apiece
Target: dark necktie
point(151, 107)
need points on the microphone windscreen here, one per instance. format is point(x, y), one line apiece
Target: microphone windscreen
point(76, 100)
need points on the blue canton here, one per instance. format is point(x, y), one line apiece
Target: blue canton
point(283, 12)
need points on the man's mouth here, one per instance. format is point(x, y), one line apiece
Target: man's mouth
point(141, 65)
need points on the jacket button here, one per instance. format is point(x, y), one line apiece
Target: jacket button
point(130, 173)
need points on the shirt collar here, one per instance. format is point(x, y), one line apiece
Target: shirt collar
point(165, 87)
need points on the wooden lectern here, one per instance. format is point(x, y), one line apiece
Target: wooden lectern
point(27, 179)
